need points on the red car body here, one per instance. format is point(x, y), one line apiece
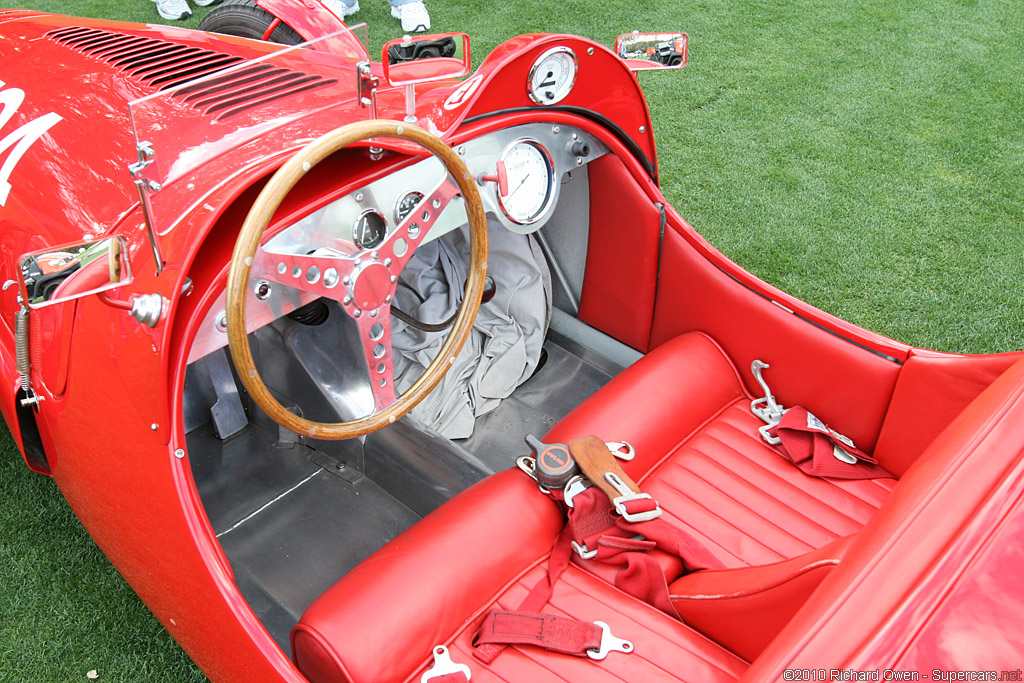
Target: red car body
point(110, 420)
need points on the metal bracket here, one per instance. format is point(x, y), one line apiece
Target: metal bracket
point(443, 666)
point(366, 87)
point(146, 157)
point(609, 643)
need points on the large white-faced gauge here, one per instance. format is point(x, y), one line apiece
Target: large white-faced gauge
point(552, 75)
point(530, 181)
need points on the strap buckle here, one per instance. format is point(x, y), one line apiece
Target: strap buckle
point(576, 486)
point(627, 495)
point(609, 643)
point(583, 551)
point(443, 665)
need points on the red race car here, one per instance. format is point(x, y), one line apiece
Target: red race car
point(374, 371)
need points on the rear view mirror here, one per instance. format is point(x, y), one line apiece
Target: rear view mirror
point(645, 51)
point(419, 59)
point(58, 274)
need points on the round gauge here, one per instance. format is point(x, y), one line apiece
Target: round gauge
point(530, 181)
point(405, 204)
point(552, 75)
point(370, 229)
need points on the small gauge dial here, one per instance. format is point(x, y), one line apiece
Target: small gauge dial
point(405, 204)
point(552, 75)
point(530, 185)
point(370, 229)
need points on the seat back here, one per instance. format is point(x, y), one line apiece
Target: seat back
point(872, 604)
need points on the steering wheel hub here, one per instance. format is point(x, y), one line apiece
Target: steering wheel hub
point(371, 286)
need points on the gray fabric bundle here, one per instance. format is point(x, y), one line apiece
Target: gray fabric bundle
point(504, 347)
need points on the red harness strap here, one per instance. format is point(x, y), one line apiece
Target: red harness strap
point(817, 450)
point(560, 634)
point(601, 535)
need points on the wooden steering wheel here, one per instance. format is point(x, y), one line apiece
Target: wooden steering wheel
point(363, 282)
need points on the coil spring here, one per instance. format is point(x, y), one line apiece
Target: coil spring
point(22, 348)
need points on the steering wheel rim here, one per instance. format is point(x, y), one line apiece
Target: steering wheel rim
point(248, 242)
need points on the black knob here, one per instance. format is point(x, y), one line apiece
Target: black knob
point(555, 464)
point(579, 148)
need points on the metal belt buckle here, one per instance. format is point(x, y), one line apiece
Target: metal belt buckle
point(626, 495)
point(583, 551)
point(609, 643)
point(443, 665)
point(573, 488)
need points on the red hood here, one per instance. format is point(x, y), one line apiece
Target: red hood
point(73, 180)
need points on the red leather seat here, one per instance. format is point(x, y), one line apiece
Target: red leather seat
point(698, 453)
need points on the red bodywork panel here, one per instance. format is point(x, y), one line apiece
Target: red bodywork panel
point(133, 489)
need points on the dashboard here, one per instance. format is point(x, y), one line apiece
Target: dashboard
point(533, 158)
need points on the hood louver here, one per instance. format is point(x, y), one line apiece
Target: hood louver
point(162, 65)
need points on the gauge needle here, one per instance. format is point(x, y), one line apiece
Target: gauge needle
point(509, 195)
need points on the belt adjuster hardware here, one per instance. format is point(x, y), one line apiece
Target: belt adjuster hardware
point(583, 551)
point(766, 408)
point(628, 495)
point(443, 665)
point(609, 643)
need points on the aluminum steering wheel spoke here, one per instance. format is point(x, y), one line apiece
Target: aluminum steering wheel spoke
point(398, 248)
point(326, 276)
point(375, 337)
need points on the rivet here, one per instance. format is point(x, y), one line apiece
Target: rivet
point(556, 129)
point(179, 453)
point(590, 50)
point(359, 196)
point(373, 314)
point(643, 129)
point(387, 262)
point(154, 426)
point(357, 313)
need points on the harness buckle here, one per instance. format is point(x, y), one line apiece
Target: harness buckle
point(583, 551)
point(609, 643)
point(628, 495)
point(443, 665)
point(576, 486)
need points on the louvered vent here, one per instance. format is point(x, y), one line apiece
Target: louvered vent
point(164, 65)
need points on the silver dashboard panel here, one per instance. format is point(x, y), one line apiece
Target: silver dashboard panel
point(330, 227)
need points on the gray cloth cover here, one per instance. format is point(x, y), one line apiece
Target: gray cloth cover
point(504, 347)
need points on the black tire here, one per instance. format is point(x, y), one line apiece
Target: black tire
point(243, 18)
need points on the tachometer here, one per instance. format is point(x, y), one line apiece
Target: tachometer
point(552, 75)
point(530, 181)
point(405, 204)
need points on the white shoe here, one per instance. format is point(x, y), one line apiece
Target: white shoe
point(413, 15)
point(341, 9)
point(174, 10)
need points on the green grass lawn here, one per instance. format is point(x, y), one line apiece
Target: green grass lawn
point(866, 156)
